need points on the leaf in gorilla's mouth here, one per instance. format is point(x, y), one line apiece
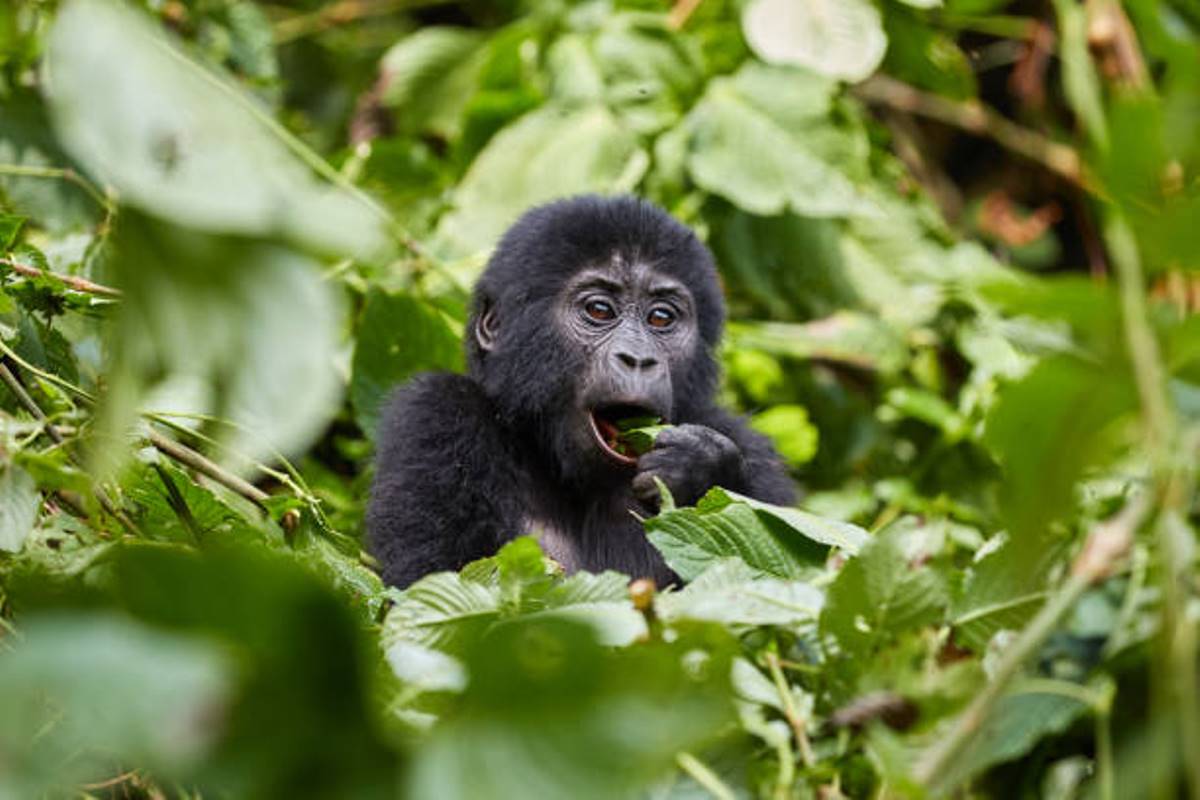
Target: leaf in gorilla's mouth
point(610, 422)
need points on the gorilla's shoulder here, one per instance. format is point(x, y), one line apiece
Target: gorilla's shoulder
point(433, 406)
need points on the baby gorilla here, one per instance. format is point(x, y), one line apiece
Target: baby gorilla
point(591, 310)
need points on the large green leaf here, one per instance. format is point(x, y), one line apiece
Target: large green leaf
point(429, 78)
point(1046, 429)
point(847, 336)
point(444, 611)
point(398, 336)
point(225, 326)
point(878, 595)
point(451, 612)
point(732, 593)
point(19, 501)
point(182, 142)
point(771, 540)
point(633, 64)
point(1002, 592)
point(839, 38)
point(549, 713)
point(802, 161)
point(547, 154)
point(1026, 714)
point(79, 692)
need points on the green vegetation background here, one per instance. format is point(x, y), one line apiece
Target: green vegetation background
point(959, 241)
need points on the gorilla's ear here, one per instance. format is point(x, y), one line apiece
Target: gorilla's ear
point(487, 327)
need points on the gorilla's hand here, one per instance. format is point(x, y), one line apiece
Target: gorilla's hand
point(690, 460)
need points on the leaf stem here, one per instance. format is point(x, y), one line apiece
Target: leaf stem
point(703, 775)
point(795, 720)
point(60, 173)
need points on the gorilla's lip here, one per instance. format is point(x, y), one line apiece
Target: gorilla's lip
point(604, 418)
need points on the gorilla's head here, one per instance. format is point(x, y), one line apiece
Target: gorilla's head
point(591, 310)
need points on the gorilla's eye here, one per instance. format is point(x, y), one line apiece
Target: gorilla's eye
point(661, 317)
point(600, 310)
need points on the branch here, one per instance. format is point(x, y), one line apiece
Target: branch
point(975, 117)
point(72, 281)
point(197, 461)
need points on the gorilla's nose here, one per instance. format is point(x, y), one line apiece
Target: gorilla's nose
point(635, 362)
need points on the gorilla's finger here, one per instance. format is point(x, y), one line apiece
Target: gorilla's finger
point(645, 489)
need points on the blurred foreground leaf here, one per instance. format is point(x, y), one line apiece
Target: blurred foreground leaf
point(82, 693)
point(549, 713)
point(178, 140)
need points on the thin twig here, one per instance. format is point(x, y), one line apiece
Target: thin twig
point(1106, 543)
point(681, 12)
point(197, 461)
point(977, 118)
point(794, 719)
point(72, 281)
point(59, 173)
point(333, 15)
point(701, 774)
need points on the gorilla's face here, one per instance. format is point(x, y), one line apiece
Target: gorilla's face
point(631, 329)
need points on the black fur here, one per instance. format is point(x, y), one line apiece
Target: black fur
point(466, 463)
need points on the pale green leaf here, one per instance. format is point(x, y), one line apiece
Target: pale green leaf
point(547, 154)
point(843, 39)
point(182, 142)
point(801, 160)
point(19, 502)
point(731, 593)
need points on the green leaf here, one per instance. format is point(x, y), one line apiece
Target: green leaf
point(547, 154)
point(771, 540)
point(424, 668)
point(832, 532)
point(549, 712)
point(638, 435)
point(789, 428)
point(848, 337)
point(10, 226)
point(731, 593)
point(840, 38)
point(444, 611)
point(925, 57)
point(398, 335)
point(430, 76)
point(1025, 715)
point(1046, 429)
point(182, 142)
point(1002, 591)
point(19, 503)
point(223, 326)
point(146, 697)
point(878, 595)
point(802, 161)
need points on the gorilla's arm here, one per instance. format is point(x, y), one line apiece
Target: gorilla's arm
point(442, 479)
point(718, 449)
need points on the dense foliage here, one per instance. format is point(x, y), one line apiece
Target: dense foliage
point(226, 229)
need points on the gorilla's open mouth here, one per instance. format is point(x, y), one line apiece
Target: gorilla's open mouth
point(607, 433)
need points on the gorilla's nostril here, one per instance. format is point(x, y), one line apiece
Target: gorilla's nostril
point(634, 362)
